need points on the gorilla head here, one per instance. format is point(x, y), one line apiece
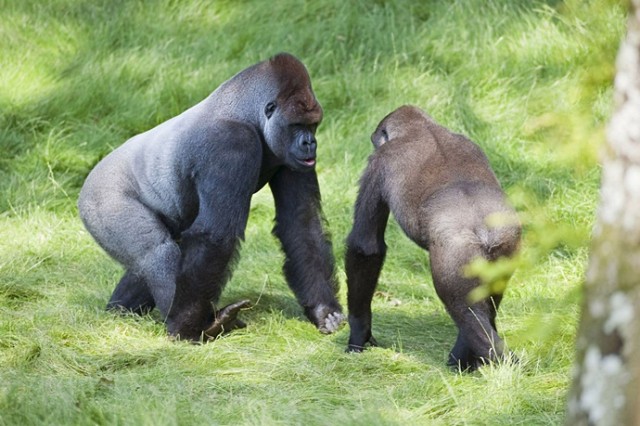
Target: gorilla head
point(292, 115)
point(397, 124)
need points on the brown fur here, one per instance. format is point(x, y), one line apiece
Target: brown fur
point(297, 93)
point(442, 192)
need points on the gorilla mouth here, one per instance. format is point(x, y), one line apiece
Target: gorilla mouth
point(308, 162)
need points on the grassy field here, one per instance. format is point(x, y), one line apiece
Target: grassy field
point(529, 81)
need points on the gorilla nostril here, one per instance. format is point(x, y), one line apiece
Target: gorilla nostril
point(308, 145)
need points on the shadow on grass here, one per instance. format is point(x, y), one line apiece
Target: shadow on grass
point(419, 325)
point(126, 72)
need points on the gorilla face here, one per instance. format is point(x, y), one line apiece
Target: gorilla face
point(380, 136)
point(290, 131)
point(301, 154)
point(385, 131)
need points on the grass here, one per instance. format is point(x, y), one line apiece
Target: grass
point(530, 81)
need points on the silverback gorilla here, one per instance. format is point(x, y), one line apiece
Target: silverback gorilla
point(171, 204)
point(442, 192)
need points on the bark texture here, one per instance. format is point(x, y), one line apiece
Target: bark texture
point(605, 389)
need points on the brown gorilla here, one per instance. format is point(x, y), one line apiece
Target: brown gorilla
point(442, 192)
point(171, 204)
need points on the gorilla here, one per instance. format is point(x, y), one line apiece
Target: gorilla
point(445, 197)
point(171, 204)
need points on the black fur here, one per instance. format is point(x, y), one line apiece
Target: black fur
point(441, 190)
point(172, 204)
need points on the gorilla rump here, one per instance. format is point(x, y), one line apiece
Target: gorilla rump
point(443, 194)
point(171, 204)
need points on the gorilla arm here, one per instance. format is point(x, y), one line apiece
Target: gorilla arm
point(210, 244)
point(365, 254)
point(309, 263)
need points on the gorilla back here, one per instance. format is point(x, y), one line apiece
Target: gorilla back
point(171, 204)
point(444, 195)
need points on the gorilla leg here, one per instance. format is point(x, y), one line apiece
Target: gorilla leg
point(131, 295)
point(478, 341)
point(134, 236)
point(461, 355)
point(365, 255)
point(204, 270)
point(181, 279)
point(362, 272)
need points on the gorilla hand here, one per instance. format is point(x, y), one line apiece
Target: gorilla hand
point(327, 320)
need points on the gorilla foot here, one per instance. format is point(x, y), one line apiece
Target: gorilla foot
point(226, 319)
point(326, 319)
point(471, 363)
point(359, 348)
point(465, 365)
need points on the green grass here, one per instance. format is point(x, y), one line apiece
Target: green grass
point(530, 81)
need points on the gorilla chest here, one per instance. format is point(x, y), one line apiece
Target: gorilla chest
point(264, 179)
point(269, 166)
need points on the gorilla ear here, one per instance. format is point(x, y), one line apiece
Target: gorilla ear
point(269, 109)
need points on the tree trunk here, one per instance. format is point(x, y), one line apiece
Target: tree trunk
point(606, 379)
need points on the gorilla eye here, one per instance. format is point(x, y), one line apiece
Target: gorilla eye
point(269, 109)
point(385, 135)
